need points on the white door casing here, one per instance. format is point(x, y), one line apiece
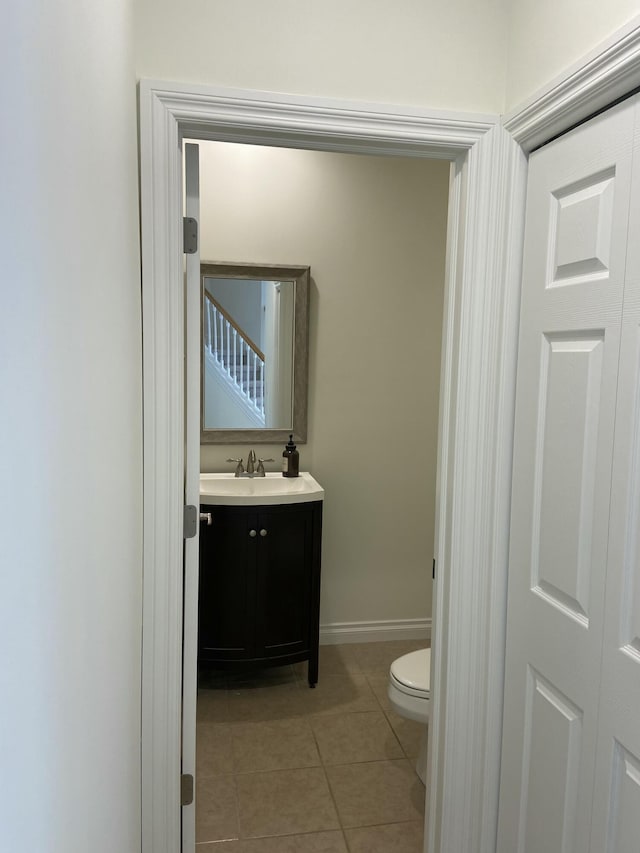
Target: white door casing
point(575, 268)
point(192, 363)
point(476, 407)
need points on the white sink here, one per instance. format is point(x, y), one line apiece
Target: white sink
point(273, 488)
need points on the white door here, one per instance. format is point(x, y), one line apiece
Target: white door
point(192, 495)
point(616, 804)
point(561, 559)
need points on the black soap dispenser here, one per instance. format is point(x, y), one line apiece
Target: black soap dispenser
point(290, 459)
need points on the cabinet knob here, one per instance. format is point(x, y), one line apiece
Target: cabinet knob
point(206, 516)
point(263, 532)
point(253, 533)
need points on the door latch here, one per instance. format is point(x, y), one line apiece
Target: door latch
point(186, 789)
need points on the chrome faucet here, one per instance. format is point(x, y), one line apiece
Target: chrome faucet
point(252, 470)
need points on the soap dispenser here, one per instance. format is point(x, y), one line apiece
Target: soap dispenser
point(290, 459)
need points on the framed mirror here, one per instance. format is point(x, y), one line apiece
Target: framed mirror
point(255, 353)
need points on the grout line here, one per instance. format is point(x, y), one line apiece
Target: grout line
point(335, 804)
point(346, 841)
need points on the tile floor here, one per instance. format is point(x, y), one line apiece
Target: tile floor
point(282, 768)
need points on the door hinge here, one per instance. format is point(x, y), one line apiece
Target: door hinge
point(190, 521)
point(433, 569)
point(186, 789)
point(189, 235)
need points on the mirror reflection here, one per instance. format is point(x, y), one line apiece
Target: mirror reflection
point(254, 352)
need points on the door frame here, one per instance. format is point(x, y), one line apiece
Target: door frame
point(484, 250)
point(484, 243)
point(486, 202)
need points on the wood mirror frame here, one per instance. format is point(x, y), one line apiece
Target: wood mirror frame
point(300, 276)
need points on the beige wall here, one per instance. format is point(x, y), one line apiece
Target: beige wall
point(546, 37)
point(441, 54)
point(373, 231)
point(486, 56)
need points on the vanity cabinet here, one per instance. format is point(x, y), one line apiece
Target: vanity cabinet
point(259, 595)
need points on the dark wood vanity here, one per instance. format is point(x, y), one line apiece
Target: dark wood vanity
point(259, 598)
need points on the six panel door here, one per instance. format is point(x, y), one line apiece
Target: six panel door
point(575, 269)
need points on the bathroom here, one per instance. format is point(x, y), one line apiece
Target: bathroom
point(373, 232)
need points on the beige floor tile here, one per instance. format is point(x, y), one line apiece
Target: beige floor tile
point(212, 706)
point(285, 802)
point(321, 842)
point(333, 660)
point(260, 703)
point(216, 809)
point(315, 842)
point(274, 745)
point(351, 738)
point(408, 732)
point(339, 694)
point(213, 749)
point(376, 793)
point(379, 684)
point(376, 658)
point(392, 838)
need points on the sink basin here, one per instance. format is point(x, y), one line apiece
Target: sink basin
point(226, 489)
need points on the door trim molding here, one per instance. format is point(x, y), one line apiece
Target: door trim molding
point(475, 433)
point(599, 79)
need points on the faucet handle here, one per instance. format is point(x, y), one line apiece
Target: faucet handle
point(260, 470)
point(239, 466)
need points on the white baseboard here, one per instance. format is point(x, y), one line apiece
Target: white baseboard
point(375, 632)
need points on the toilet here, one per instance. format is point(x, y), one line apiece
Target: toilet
point(409, 692)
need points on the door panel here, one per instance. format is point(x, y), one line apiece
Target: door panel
point(552, 747)
point(565, 470)
point(226, 603)
point(616, 812)
point(284, 581)
point(573, 283)
point(623, 826)
point(581, 230)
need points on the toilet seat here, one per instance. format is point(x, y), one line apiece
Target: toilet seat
point(409, 683)
point(411, 674)
point(409, 692)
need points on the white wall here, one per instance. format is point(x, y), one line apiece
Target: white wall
point(442, 54)
point(373, 231)
point(70, 432)
point(547, 36)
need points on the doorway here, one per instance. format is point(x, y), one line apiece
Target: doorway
point(373, 231)
point(474, 422)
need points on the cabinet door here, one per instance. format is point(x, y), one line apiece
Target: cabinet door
point(284, 580)
point(227, 585)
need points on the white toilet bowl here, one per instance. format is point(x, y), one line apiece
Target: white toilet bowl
point(409, 692)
